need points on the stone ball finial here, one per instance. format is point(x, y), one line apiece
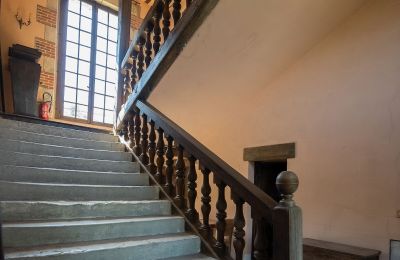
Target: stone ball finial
point(287, 183)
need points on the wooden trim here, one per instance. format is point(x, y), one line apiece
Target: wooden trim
point(270, 153)
point(169, 51)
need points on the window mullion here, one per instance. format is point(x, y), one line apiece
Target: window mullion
point(93, 63)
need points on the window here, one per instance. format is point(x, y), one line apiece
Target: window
point(88, 71)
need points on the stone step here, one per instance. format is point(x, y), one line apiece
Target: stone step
point(191, 257)
point(58, 162)
point(24, 191)
point(46, 149)
point(72, 231)
point(142, 248)
point(15, 211)
point(63, 176)
point(21, 135)
point(55, 130)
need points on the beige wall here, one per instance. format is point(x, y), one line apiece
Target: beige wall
point(339, 100)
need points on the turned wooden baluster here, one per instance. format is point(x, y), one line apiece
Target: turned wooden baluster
point(152, 148)
point(169, 171)
point(133, 71)
point(145, 142)
point(149, 44)
point(176, 12)
point(192, 213)
point(127, 81)
point(205, 200)
point(124, 130)
point(221, 205)
point(166, 19)
point(180, 179)
point(157, 29)
point(131, 132)
point(160, 156)
point(239, 224)
point(262, 244)
point(140, 62)
point(137, 149)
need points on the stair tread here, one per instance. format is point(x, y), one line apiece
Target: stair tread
point(191, 257)
point(69, 170)
point(72, 185)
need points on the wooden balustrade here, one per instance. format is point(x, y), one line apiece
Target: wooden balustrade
point(283, 217)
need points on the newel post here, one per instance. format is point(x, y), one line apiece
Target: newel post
point(287, 220)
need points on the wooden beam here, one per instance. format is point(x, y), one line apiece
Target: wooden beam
point(269, 153)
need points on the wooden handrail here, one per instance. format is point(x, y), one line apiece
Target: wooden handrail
point(252, 194)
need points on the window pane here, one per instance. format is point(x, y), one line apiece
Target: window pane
point(111, 75)
point(70, 79)
point(102, 16)
point(84, 53)
point(85, 39)
point(110, 89)
point(99, 86)
point(70, 94)
point(81, 112)
point(84, 68)
point(111, 61)
point(83, 82)
point(98, 115)
point(99, 100)
point(102, 30)
point(112, 48)
point(112, 34)
point(71, 64)
point(73, 20)
point(100, 72)
point(101, 44)
point(86, 24)
point(83, 97)
point(69, 109)
point(73, 5)
point(72, 34)
point(108, 117)
point(101, 58)
point(110, 103)
point(113, 21)
point(86, 10)
point(72, 49)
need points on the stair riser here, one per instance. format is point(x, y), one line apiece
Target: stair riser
point(59, 131)
point(27, 211)
point(146, 251)
point(22, 159)
point(40, 149)
point(33, 236)
point(60, 141)
point(22, 192)
point(40, 175)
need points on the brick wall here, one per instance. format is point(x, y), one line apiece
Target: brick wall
point(46, 16)
point(47, 80)
point(47, 48)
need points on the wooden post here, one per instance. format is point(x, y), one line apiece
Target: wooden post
point(287, 220)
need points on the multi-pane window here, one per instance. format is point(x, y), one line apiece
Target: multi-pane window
point(90, 62)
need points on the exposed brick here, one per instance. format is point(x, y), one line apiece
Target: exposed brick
point(136, 22)
point(47, 80)
point(46, 16)
point(47, 48)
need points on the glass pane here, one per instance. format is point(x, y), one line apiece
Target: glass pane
point(108, 117)
point(72, 49)
point(102, 30)
point(70, 79)
point(101, 44)
point(110, 89)
point(73, 5)
point(84, 53)
point(73, 20)
point(111, 75)
point(81, 112)
point(69, 109)
point(86, 24)
point(110, 103)
point(72, 34)
point(86, 10)
point(71, 64)
point(111, 62)
point(85, 39)
point(99, 86)
point(113, 21)
point(112, 48)
point(83, 97)
point(101, 58)
point(70, 94)
point(84, 67)
point(98, 115)
point(112, 34)
point(83, 82)
point(100, 72)
point(99, 100)
point(102, 16)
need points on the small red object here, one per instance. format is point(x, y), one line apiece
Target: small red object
point(45, 106)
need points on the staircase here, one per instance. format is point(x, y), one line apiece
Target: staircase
point(74, 194)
